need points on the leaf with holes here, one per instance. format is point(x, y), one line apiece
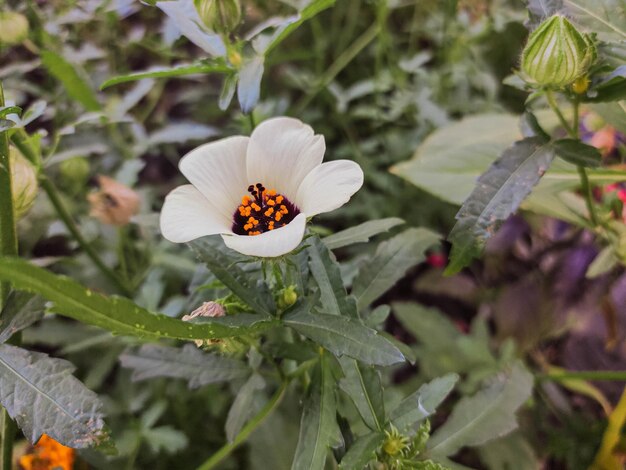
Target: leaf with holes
point(43, 397)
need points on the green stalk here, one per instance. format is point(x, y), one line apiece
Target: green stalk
point(8, 247)
point(582, 173)
point(245, 432)
point(65, 216)
point(603, 375)
point(342, 62)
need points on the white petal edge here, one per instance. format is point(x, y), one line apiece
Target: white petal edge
point(329, 186)
point(218, 171)
point(281, 152)
point(187, 215)
point(272, 243)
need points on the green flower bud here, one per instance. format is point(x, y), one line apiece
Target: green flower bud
point(556, 53)
point(74, 173)
point(287, 297)
point(13, 27)
point(23, 182)
point(221, 16)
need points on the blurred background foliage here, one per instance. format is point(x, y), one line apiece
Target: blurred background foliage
point(375, 77)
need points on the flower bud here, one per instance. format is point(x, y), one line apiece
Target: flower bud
point(13, 27)
point(114, 204)
point(74, 173)
point(23, 182)
point(556, 53)
point(287, 297)
point(221, 16)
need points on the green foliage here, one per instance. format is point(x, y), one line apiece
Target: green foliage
point(498, 194)
point(21, 310)
point(363, 386)
point(35, 386)
point(188, 363)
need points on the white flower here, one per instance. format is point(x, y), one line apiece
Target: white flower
point(258, 191)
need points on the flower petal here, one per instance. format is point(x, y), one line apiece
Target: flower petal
point(187, 215)
point(281, 152)
point(218, 171)
point(329, 186)
point(269, 244)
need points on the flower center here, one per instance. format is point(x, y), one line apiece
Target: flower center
point(262, 210)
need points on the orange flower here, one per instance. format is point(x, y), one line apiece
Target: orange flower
point(48, 454)
point(114, 204)
point(605, 140)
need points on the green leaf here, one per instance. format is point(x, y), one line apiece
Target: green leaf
point(607, 18)
point(242, 408)
point(75, 85)
point(165, 439)
point(577, 153)
point(318, 425)
point(448, 162)
point(361, 233)
point(203, 67)
point(487, 415)
point(228, 91)
point(362, 451)
point(344, 336)
point(188, 363)
point(422, 403)
point(21, 310)
point(392, 259)
point(363, 385)
point(253, 292)
point(498, 194)
point(118, 314)
point(325, 270)
point(611, 87)
point(603, 263)
point(511, 451)
point(43, 397)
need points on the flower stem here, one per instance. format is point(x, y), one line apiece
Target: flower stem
point(338, 65)
point(254, 423)
point(604, 375)
point(582, 172)
point(65, 216)
point(8, 247)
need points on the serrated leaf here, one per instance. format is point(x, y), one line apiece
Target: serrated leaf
point(119, 314)
point(487, 415)
point(185, 16)
point(362, 451)
point(20, 310)
point(249, 84)
point(318, 425)
point(345, 336)
point(242, 408)
point(363, 385)
point(255, 293)
point(361, 233)
point(181, 70)
point(75, 85)
point(392, 259)
point(498, 194)
point(577, 153)
point(188, 363)
point(511, 451)
point(327, 275)
point(422, 403)
point(43, 397)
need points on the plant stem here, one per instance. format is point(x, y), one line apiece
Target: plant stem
point(65, 216)
point(582, 173)
point(342, 61)
point(604, 375)
point(254, 423)
point(8, 247)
